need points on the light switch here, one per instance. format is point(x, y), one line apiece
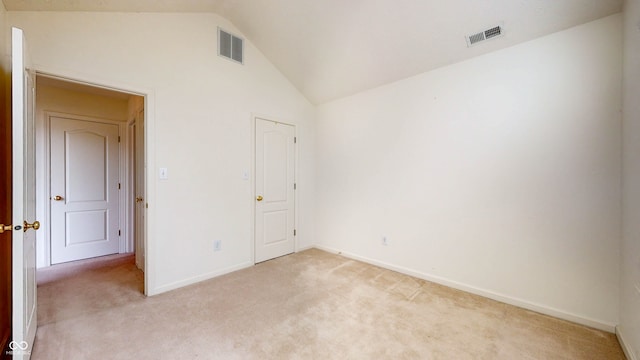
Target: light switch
point(164, 174)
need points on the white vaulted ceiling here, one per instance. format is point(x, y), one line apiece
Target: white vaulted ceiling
point(332, 48)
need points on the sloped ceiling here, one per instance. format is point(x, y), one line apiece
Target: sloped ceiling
point(333, 48)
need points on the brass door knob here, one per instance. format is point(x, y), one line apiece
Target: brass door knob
point(4, 228)
point(34, 226)
point(259, 198)
point(58, 198)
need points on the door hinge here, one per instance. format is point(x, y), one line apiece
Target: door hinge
point(295, 139)
point(295, 186)
point(294, 232)
point(119, 186)
point(119, 232)
point(118, 139)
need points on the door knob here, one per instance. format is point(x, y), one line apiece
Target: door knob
point(34, 226)
point(58, 198)
point(259, 198)
point(4, 228)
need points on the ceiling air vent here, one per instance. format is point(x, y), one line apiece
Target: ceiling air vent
point(230, 46)
point(484, 35)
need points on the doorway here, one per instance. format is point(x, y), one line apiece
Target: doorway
point(274, 189)
point(87, 177)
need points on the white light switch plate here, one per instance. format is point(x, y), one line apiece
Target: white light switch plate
point(164, 174)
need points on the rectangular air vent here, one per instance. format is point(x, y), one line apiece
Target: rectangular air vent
point(230, 46)
point(484, 35)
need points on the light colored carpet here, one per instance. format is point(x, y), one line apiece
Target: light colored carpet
point(310, 305)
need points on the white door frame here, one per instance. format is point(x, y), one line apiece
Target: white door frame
point(149, 153)
point(130, 187)
point(296, 166)
point(132, 206)
point(125, 241)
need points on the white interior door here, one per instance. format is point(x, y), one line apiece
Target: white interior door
point(24, 318)
point(84, 189)
point(275, 192)
point(139, 189)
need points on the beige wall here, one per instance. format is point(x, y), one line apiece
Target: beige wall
point(499, 175)
point(199, 111)
point(629, 329)
point(135, 104)
point(79, 103)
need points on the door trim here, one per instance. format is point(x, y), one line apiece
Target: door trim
point(132, 206)
point(252, 182)
point(125, 241)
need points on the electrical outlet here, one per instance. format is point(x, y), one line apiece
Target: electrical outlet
point(217, 245)
point(385, 241)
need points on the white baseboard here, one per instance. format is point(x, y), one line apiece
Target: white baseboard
point(211, 275)
point(628, 351)
point(482, 292)
point(197, 279)
point(303, 248)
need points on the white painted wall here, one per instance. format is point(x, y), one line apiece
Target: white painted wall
point(629, 329)
point(199, 110)
point(499, 175)
point(53, 99)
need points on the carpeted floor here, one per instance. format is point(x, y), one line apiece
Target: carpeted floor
point(310, 305)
